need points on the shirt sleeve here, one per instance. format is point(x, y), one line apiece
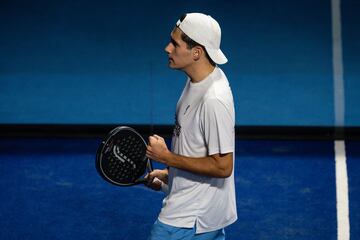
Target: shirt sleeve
point(218, 126)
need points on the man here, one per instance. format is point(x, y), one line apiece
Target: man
point(199, 178)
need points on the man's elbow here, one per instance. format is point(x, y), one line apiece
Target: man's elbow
point(224, 164)
point(226, 172)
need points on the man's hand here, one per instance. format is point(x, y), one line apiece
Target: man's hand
point(157, 149)
point(156, 178)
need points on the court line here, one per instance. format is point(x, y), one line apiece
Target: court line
point(337, 58)
point(342, 194)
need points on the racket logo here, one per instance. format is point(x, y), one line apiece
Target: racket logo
point(123, 158)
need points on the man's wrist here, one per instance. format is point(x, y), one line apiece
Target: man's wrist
point(168, 157)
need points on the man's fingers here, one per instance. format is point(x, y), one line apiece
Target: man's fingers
point(152, 140)
point(150, 179)
point(159, 138)
point(153, 182)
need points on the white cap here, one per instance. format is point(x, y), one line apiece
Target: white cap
point(206, 31)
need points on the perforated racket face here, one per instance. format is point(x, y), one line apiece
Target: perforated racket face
point(121, 158)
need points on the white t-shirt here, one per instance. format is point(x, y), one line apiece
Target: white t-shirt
point(205, 122)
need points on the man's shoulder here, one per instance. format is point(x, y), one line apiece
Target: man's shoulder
point(218, 91)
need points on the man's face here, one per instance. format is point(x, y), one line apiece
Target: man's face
point(180, 57)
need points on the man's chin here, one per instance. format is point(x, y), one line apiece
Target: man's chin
point(172, 65)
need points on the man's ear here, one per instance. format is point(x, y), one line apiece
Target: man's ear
point(197, 52)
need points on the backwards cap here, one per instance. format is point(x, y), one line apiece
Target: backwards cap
point(206, 31)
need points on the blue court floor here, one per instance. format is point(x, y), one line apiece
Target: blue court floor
point(49, 189)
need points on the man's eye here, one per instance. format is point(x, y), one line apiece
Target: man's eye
point(174, 43)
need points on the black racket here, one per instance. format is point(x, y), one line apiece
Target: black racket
point(121, 157)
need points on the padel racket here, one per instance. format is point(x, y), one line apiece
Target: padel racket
point(121, 157)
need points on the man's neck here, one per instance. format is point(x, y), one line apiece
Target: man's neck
point(199, 73)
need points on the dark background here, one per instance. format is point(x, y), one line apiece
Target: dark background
point(103, 62)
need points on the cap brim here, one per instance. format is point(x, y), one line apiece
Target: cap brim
point(217, 56)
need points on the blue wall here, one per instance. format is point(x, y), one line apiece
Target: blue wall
point(103, 62)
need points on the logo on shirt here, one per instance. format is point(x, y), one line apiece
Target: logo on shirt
point(186, 109)
point(177, 128)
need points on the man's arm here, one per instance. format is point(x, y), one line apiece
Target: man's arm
point(217, 165)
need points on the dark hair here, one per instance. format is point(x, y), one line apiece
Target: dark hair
point(191, 43)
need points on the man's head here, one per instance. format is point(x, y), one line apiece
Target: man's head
point(191, 44)
point(204, 30)
point(200, 34)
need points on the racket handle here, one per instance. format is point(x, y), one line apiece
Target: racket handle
point(141, 181)
point(144, 180)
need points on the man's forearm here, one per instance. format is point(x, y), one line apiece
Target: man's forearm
point(218, 165)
